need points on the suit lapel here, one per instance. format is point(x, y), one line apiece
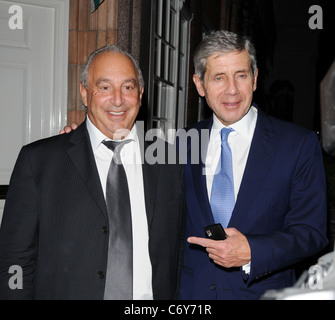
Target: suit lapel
point(82, 156)
point(150, 178)
point(259, 162)
point(198, 173)
point(150, 173)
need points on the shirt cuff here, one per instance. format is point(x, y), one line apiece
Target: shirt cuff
point(246, 268)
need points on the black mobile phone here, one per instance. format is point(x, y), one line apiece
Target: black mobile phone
point(215, 232)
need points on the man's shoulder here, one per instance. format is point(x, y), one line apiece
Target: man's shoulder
point(48, 141)
point(58, 141)
point(291, 130)
point(203, 124)
point(284, 128)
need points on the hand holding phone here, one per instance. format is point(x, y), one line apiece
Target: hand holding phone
point(215, 232)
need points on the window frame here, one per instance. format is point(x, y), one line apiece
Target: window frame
point(168, 66)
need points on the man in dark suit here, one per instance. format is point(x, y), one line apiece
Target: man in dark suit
point(279, 216)
point(55, 227)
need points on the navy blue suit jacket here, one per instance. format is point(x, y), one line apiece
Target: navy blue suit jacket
point(280, 207)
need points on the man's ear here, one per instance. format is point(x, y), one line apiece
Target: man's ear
point(199, 85)
point(255, 80)
point(83, 93)
point(141, 95)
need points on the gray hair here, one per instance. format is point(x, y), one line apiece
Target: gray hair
point(224, 42)
point(115, 49)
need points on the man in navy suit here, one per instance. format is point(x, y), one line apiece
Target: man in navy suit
point(280, 216)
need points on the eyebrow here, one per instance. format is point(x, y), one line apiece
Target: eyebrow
point(238, 71)
point(101, 80)
point(243, 71)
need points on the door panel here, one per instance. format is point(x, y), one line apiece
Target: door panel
point(33, 76)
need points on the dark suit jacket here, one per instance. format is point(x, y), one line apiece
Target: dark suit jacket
point(281, 208)
point(55, 222)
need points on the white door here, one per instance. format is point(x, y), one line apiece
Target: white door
point(33, 75)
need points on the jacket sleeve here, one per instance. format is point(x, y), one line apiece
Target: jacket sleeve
point(18, 232)
point(304, 226)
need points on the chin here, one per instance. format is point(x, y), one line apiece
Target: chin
point(121, 132)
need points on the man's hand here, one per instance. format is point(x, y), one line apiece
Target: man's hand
point(232, 252)
point(68, 129)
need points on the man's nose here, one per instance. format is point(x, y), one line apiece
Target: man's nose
point(232, 87)
point(117, 97)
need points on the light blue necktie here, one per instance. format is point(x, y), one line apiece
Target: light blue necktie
point(223, 196)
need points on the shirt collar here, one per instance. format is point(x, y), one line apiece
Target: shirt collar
point(244, 127)
point(97, 136)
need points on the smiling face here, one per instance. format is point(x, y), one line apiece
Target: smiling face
point(112, 96)
point(228, 85)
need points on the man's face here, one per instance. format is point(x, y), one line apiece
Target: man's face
point(112, 96)
point(228, 85)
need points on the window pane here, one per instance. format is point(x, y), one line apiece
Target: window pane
point(182, 76)
point(156, 100)
point(172, 66)
point(157, 62)
point(155, 124)
point(163, 63)
point(165, 10)
point(158, 17)
point(173, 28)
point(163, 100)
point(183, 37)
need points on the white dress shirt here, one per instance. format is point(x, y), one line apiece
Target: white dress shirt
point(131, 160)
point(239, 141)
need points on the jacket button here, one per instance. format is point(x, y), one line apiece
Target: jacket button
point(213, 287)
point(101, 275)
point(104, 229)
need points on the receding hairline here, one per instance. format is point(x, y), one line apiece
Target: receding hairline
point(115, 53)
point(114, 49)
point(101, 55)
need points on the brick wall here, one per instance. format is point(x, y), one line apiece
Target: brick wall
point(87, 32)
